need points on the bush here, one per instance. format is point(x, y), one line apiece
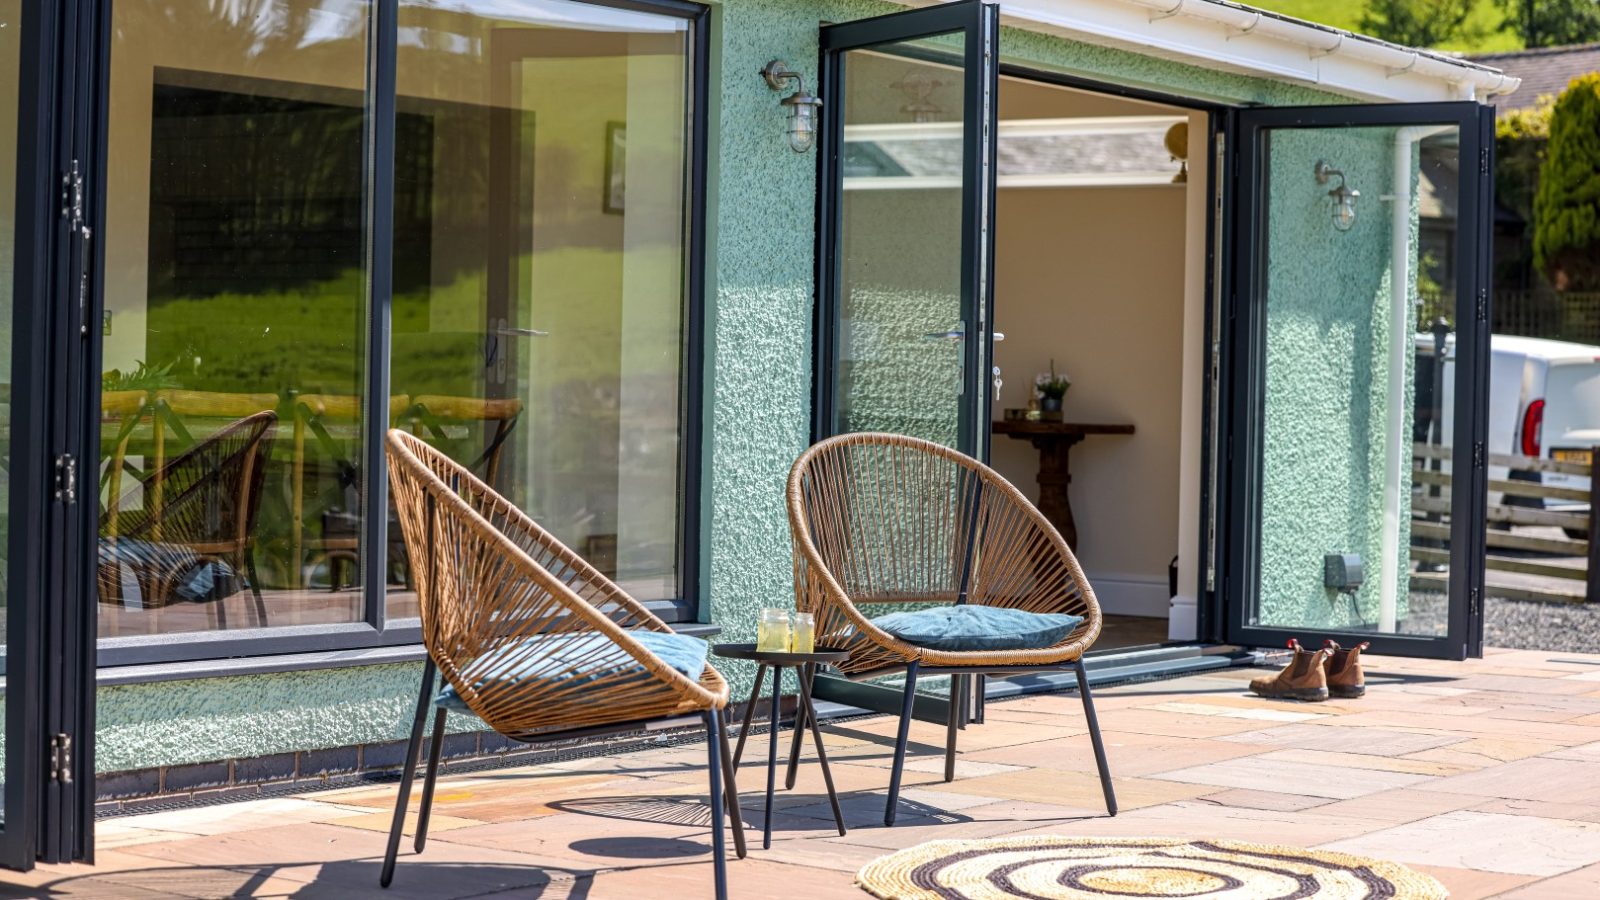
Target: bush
point(1566, 210)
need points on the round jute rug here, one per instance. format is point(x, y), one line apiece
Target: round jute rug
point(1052, 868)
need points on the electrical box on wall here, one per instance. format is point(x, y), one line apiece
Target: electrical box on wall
point(1342, 572)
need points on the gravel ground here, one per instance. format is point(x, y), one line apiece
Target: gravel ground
point(1528, 625)
point(1515, 624)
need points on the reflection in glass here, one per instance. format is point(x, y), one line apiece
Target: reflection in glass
point(1358, 427)
point(235, 315)
point(900, 238)
point(10, 53)
point(539, 280)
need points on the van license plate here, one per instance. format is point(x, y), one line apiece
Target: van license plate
point(1573, 456)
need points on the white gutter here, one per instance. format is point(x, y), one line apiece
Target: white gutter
point(1222, 35)
point(1397, 440)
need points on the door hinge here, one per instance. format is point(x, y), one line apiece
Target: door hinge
point(1477, 455)
point(67, 478)
point(1483, 304)
point(1483, 160)
point(72, 195)
point(61, 758)
point(1474, 598)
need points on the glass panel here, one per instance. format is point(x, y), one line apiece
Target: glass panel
point(540, 221)
point(901, 330)
point(235, 316)
point(1360, 293)
point(10, 57)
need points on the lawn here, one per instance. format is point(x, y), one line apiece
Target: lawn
point(1483, 34)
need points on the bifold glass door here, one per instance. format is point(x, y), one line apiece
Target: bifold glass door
point(46, 229)
point(1358, 396)
point(905, 281)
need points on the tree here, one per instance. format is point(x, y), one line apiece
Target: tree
point(1552, 23)
point(1566, 209)
point(1416, 23)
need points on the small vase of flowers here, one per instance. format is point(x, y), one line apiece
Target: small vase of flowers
point(1051, 386)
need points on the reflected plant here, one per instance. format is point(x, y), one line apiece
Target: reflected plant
point(144, 377)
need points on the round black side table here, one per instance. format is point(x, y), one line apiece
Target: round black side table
point(805, 666)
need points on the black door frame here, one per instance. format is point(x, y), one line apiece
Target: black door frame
point(978, 22)
point(1244, 364)
point(49, 764)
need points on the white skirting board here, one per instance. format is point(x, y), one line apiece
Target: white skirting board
point(1131, 595)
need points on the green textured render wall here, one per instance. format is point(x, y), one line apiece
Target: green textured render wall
point(758, 380)
point(1327, 379)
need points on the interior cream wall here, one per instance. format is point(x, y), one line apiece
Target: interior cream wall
point(1094, 277)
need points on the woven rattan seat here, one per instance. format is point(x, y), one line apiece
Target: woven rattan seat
point(882, 520)
point(488, 578)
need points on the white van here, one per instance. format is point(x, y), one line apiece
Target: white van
point(1544, 401)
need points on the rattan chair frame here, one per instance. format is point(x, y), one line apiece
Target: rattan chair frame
point(488, 578)
point(174, 498)
point(880, 518)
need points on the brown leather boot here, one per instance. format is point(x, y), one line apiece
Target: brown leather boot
point(1344, 670)
point(1302, 679)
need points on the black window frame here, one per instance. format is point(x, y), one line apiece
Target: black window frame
point(376, 628)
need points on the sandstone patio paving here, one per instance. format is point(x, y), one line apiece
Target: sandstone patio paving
point(1485, 774)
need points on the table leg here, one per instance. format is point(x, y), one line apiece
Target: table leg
point(810, 714)
point(803, 673)
point(749, 711)
point(1054, 476)
point(772, 756)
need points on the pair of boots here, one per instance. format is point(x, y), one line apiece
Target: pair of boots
point(1314, 675)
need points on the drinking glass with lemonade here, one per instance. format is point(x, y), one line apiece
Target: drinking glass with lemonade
point(782, 631)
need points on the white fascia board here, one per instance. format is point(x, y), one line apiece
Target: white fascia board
point(1245, 41)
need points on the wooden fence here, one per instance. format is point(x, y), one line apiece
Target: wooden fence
point(1550, 580)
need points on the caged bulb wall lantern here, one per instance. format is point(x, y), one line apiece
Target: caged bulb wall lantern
point(1344, 197)
point(802, 106)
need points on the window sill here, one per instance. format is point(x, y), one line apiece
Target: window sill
point(290, 662)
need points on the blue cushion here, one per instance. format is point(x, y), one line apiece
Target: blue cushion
point(970, 627)
point(552, 657)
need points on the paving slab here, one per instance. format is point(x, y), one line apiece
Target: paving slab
point(1491, 842)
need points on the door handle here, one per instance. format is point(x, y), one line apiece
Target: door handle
point(521, 332)
point(999, 336)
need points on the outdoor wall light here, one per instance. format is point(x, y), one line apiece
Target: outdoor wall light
point(802, 106)
point(1344, 197)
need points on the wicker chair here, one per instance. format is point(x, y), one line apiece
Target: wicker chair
point(198, 509)
point(488, 578)
point(888, 519)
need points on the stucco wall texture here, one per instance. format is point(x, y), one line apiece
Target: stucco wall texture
point(1329, 326)
point(758, 378)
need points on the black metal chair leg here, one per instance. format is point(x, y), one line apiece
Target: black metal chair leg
point(772, 756)
point(424, 698)
point(255, 588)
point(428, 779)
point(731, 788)
point(1094, 737)
point(980, 696)
point(953, 725)
point(749, 713)
point(802, 673)
point(719, 849)
point(900, 744)
point(810, 712)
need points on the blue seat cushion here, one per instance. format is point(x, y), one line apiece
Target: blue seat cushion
point(971, 627)
point(556, 657)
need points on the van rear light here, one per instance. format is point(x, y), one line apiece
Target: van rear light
point(1532, 428)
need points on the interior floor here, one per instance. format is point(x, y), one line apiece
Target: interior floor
point(1119, 632)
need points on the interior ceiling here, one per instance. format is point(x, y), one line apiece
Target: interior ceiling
point(1050, 136)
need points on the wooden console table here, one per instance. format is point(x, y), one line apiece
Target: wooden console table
point(1054, 441)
